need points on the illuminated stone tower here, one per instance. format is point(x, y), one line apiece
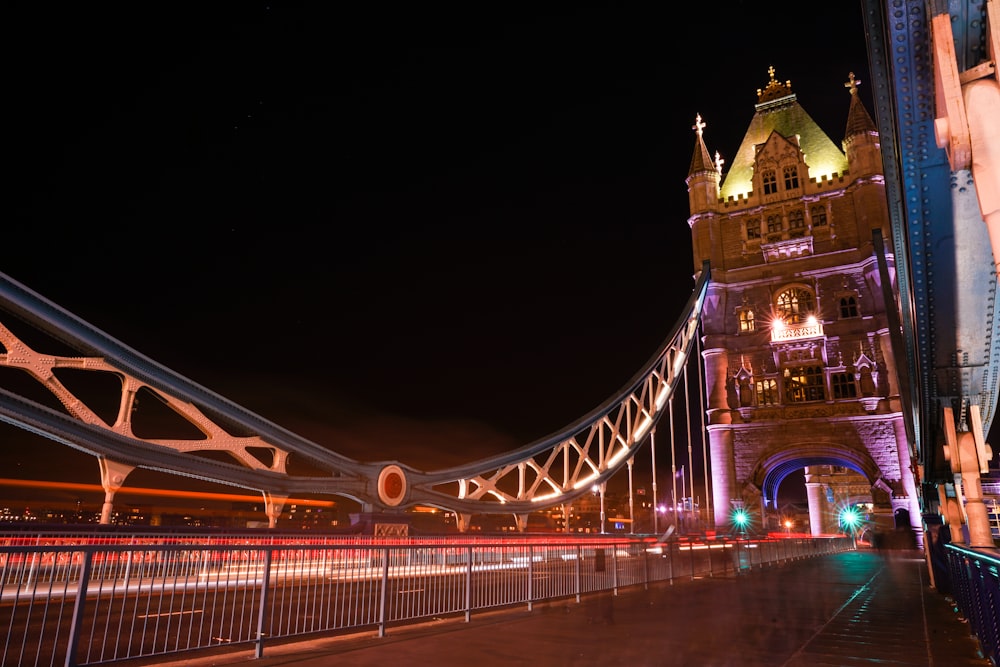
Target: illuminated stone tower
point(798, 366)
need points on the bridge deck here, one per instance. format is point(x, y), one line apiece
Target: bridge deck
point(857, 608)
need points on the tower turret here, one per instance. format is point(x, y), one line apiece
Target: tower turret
point(861, 140)
point(704, 174)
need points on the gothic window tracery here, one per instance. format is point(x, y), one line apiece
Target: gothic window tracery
point(753, 228)
point(774, 223)
point(796, 220)
point(804, 383)
point(818, 215)
point(769, 181)
point(848, 306)
point(791, 174)
point(746, 318)
point(843, 385)
point(793, 305)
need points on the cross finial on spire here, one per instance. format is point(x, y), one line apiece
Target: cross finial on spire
point(698, 126)
point(852, 84)
point(718, 162)
point(770, 73)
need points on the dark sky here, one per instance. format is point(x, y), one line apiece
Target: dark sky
point(403, 232)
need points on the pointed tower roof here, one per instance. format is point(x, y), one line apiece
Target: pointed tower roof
point(858, 120)
point(701, 161)
point(777, 110)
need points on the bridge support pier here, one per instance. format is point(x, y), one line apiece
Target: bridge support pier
point(969, 456)
point(113, 475)
point(723, 474)
point(909, 483)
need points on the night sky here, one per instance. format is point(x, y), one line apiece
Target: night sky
point(405, 233)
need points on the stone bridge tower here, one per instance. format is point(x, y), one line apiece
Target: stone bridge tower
point(798, 364)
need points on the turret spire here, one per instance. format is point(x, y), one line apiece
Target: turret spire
point(702, 159)
point(858, 120)
point(704, 174)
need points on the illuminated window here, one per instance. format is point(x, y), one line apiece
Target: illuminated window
point(746, 320)
point(773, 224)
point(753, 228)
point(843, 385)
point(770, 182)
point(797, 220)
point(791, 178)
point(818, 214)
point(795, 304)
point(804, 383)
point(848, 307)
point(767, 391)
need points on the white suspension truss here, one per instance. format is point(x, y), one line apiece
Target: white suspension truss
point(549, 472)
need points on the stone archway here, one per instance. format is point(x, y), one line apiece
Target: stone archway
point(752, 457)
point(835, 477)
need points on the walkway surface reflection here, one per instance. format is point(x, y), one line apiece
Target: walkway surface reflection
point(856, 608)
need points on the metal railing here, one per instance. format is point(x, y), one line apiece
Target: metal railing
point(975, 583)
point(100, 601)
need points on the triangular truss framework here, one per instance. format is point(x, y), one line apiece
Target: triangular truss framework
point(551, 471)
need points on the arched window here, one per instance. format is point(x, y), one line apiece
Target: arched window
point(848, 307)
point(746, 320)
point(796, 220)
point(770, 182)
point(843, 385)
point(791, 177)
point(753, 228)
point(818, 215)
point(795, 304)
point(774, 223)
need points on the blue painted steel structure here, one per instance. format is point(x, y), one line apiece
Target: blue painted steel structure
point(946, 274)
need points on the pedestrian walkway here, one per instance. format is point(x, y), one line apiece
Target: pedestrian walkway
point(855, 608)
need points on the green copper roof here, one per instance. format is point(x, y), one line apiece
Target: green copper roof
point(784, 115)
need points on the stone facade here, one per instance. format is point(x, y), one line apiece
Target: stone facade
point(798, 367)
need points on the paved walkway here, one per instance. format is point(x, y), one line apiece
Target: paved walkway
point(857, 608)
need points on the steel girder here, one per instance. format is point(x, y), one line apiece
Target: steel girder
point(551, 471)
point(944, 262)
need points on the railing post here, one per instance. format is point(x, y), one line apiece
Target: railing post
point(468, 584)
point(645, 568)
point(264, 598)
point(579, 576)
point(73, 642)
point(670, 559)
point(531, 573)
point(614, 568)
point(383, 594)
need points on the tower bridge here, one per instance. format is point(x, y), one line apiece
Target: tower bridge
point(841, 321)
point(842, 310)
